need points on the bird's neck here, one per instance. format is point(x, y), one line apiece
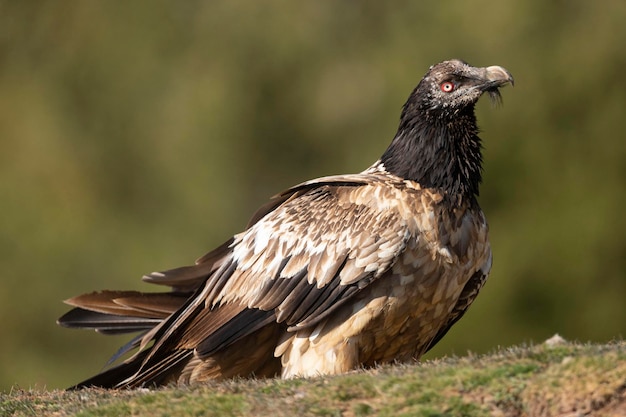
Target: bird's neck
point(437, 151)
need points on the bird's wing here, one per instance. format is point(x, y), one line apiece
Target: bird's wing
point(304, 255)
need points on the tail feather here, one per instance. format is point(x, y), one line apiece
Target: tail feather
point(126, 303)
point(79, 318)
point(115, 312)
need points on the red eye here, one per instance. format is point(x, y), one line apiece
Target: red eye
point(447, 87)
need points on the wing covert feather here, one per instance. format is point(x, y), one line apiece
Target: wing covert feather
point(333, 240)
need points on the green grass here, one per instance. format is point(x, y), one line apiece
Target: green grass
point(520, 381)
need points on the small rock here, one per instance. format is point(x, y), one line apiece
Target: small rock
point(555, 341)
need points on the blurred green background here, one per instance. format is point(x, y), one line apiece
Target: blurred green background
point(135, 136)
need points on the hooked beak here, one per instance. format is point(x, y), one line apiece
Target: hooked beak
point(495, 77)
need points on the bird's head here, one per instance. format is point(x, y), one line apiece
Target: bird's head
point(437, 142)
point(451, 86)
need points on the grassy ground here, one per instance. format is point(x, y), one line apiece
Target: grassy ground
point(553, 379)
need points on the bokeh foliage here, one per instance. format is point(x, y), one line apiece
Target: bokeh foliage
point(135, 136)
